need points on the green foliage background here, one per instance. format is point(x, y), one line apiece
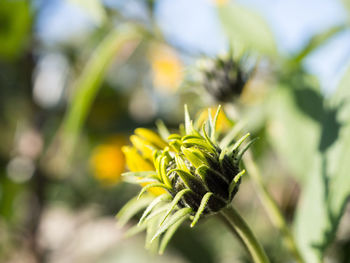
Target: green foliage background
point(303, 150)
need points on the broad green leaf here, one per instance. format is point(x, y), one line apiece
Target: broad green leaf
point(328, 187)
point(293, 134)
point(246, 29)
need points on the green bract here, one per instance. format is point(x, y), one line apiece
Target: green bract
point(200, 176)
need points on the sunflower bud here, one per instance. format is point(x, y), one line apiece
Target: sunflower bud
point(199, 175)
point(224, 78)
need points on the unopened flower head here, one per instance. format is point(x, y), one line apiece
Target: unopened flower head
point(195, 175)
point(224, 77)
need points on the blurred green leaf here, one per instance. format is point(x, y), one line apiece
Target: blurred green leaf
point(93, 8)
point(346, 4)
point(15, 24)
point(246, 29)
point(9, 191)
point(328, 187)
point(318, 40)
point(87, 87)
point(291, 132)
point(91, 78)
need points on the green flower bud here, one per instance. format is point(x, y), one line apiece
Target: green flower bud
point(224, 77)
point(200, 176)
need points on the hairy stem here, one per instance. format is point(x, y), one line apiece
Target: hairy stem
point(240, 228)
point(271, 206)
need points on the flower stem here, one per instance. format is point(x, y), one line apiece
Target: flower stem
point(240, 228)
point(271, 206)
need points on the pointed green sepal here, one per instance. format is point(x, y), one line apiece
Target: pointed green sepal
point(210, 123)
point(176, 145)
point(229, 137)
point(191, 181)
point(204, 171)
point(156, 212)
point(174, 136)
point(162, 130)
point(233, 148)
point(134, 230)
point(188, 124)
point(169, 233)
point(180, 163)
point(246, 147)
point(132, 207)
point(180, 214)
point(215, 120)
point(173, 204)
point(140, 174)
point(199, 143)
point(163, 166)
point(201, 208)
point(207, 139)
point(235, 182)
point(195, 156)
point(153, 204)
point(145, 188)
point(214, 181)
point(152, 228)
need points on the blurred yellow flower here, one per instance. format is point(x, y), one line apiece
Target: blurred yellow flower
point(167, 68)
point(107, 161)
point(223, 124)
point(139, 157)
point(220, 2)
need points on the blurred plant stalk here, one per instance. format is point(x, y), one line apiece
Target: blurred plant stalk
point(271, 206)
point(240, 228)
point(119, 44)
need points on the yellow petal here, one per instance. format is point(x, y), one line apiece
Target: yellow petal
point(152, 137)
point(134, 161)
point(145, 147)
point(154, 190)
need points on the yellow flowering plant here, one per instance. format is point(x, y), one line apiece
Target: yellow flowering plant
point(107, 161)
point(185, 176)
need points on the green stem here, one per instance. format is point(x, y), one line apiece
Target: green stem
point(271, 206)
point(240, 228)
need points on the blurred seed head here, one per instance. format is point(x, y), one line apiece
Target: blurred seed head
point(224, 77)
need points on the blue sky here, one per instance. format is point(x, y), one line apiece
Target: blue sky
point(193, 25)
